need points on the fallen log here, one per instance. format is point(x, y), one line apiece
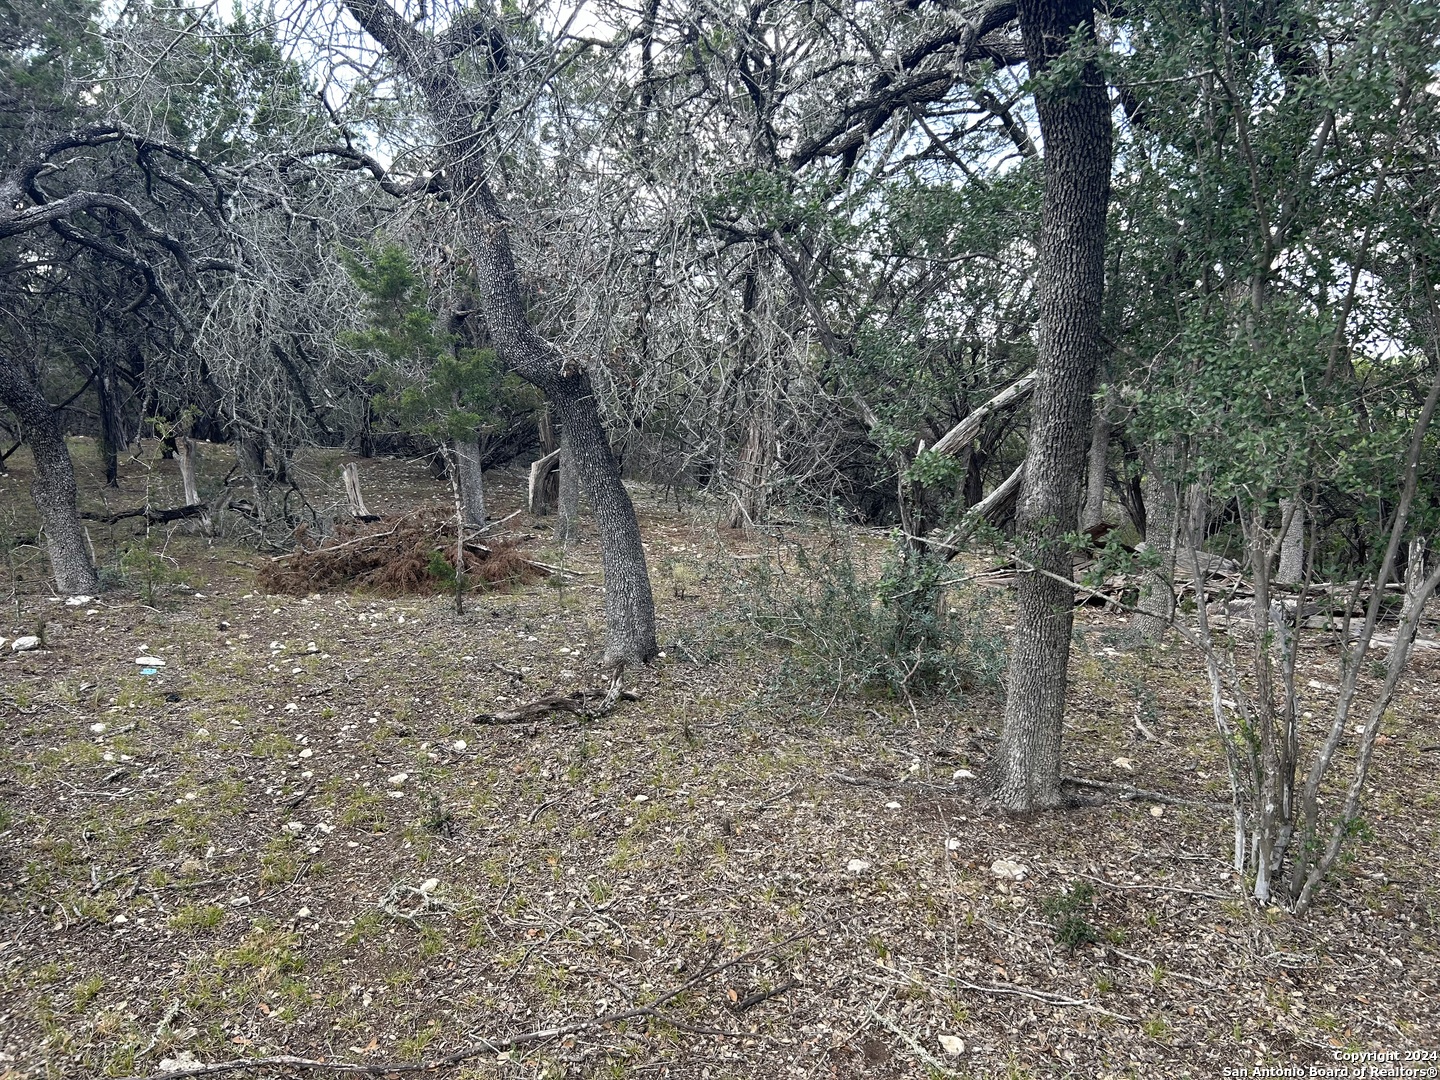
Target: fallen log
point(151, 516)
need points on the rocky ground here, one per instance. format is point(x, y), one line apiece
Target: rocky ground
point(295, 839)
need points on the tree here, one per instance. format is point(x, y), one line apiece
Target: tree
point(460, 115)
point(1074, 113)
point(430, 381)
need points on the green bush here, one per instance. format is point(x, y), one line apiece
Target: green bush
point(902, 631)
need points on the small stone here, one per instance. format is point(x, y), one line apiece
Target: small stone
point(311, 647)
point(459, 744)
point(398, 779)
point(857, 866)
point(120, 919)
point(149, 661)
point(952, 1044)
point(1008, 870)
point(78, 601)
point(294, 828)
point(303, 913)
point(25, 643)
point(1125, 763)
point(429, 885)
point(240, 901)
point(892, 805)
point(952, 844)
point(307, 753)
point(1157, 811)
point(642, 798)
point(962, 774)
point(290, 706)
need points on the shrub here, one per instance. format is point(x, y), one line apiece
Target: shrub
point(904, 630)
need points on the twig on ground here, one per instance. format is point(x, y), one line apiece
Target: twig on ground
point(914, 1045)
point(1129, 793)
point(573, 702)
point(1039, 995)
point(763, 995)
point(1155, 888)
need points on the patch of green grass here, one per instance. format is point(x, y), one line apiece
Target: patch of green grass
point(265, 951)
point(275, 745)
point(1156, 1027)
point(196, 917)
point(1072, 929)
point(86, 991)
point(366, 811)
point(367, 925)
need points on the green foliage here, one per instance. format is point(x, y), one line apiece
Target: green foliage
point(892, 632)
point(1066, 908)
point(428, 382)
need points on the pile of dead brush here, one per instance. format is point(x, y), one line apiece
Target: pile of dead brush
point(413, 553)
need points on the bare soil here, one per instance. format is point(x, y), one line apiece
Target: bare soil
point(295, 839)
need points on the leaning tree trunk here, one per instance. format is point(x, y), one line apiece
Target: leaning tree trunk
point(54, 486)
point(460, 115)
point(1074, 113)
point(465, 453)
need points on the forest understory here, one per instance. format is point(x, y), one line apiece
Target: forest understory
point(295, 839)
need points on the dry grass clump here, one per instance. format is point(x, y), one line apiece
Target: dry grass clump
point(413, 553)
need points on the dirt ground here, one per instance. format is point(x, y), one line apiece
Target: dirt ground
point(294, 839)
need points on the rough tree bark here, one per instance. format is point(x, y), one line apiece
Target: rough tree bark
point(54, 486)
point(567, 504)
point(428, 63)
point(1074, 114)
point(1093, 511)
point(465, 453)
point(1292, 545)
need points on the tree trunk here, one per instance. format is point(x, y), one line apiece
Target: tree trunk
point(471, 479)
point(1162, 520)
point(750, 498)
point(112, 422)
point(1292, 544)
point(250, 455)
point(540, 471)
point(567, 524)
point(1024, 772)
point(53, 489)
point(186, 456)
point(459, 115)
point(350, 474)
point(1099, 457)
point(629, 604)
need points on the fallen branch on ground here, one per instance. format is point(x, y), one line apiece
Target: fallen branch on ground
point(1128, 793)
point(573, 702)
point(152, 517)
